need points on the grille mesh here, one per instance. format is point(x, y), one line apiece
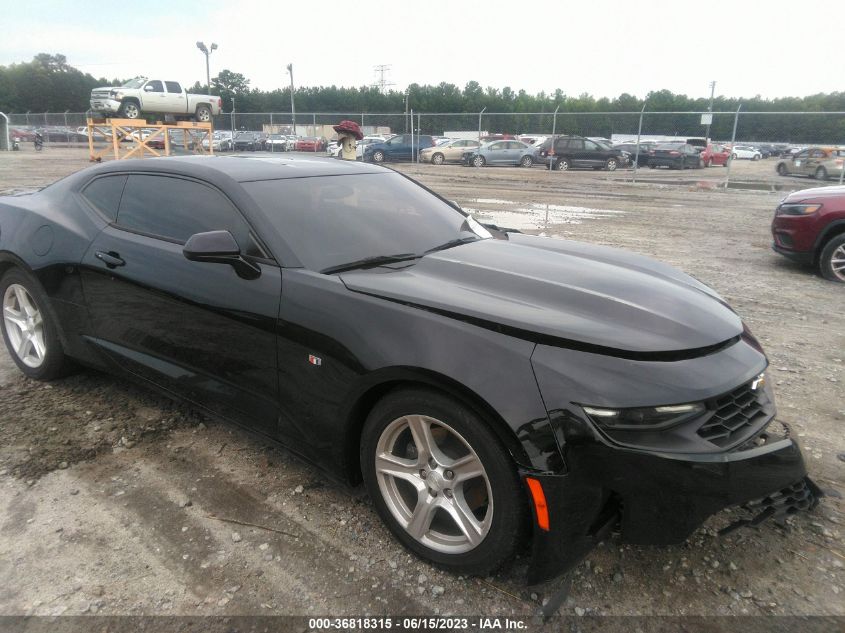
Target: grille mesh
point(735, 414)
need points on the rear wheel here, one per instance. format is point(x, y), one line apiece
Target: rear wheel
point(832, 259)
point(781, 169)
point(29, 330)
point(562, 164)
point(203, 114)
point(442, 482)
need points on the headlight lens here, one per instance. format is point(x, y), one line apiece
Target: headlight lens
point(798, 209)
point(645, 418)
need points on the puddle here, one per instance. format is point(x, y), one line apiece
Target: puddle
point(535, 216)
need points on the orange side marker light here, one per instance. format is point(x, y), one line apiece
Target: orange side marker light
point(539, 497)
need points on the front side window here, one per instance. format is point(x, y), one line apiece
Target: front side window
point(591, 146)
point(175, 209)
point(154, 86)
point(332, 220)
point(576, 144)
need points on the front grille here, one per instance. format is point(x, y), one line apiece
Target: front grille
point(735, 415)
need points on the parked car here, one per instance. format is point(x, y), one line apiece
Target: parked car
point(249, 141)
point(499, 153)
point(276, 143)
point(816, 162)
point(675, 156)
point(451, 152)
point(809, 228)
point(566, 152)
point(402, 147)
point(531, 139)
point(745, 152)
point(311, 144)
point(178, 139)
point(630, 149)
point(220, 142)
point(715, 154)
point(484, 390)
point(496, 137)
point(291, 142)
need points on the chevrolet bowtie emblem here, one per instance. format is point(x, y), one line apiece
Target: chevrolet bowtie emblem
point(759, 381)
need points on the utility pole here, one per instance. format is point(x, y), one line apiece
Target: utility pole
point(407, 99)
point(292, 106)
point(710, 109)
point(207, 52)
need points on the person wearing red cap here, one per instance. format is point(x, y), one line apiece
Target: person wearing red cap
point(348, 133)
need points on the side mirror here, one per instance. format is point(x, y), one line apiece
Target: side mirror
point(148, 88)
point(219, 247)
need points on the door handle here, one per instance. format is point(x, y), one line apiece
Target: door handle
point(111, 259)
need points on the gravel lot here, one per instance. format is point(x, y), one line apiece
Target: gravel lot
point(117, 501)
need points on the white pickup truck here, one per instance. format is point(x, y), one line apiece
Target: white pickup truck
point(153, 96)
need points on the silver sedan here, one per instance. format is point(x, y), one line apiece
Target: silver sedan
point(501, 153)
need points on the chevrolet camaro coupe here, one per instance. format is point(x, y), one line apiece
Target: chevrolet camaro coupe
point(492, 390)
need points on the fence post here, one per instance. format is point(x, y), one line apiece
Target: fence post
point(479, 132)
point(552, 149)
point(733, 140)
point(67, 130)
point(637, 154)
point(419, 130)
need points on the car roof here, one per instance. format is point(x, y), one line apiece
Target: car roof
point(244, 168)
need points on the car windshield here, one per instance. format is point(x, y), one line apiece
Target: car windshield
point(330, 221)
point(134, 83)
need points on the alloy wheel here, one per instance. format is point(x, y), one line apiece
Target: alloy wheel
point(837, 262)
point(434, 484)
point(24, 326)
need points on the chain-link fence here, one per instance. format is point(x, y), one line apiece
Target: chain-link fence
point(771, 133)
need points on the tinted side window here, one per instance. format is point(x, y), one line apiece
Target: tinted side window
point(155, 86)
point(576, 144)
point(591, 146)
point(104, 193)
point(560, 144)
point(175, 209)
point(173, 86)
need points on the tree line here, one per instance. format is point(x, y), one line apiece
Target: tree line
point(49, 84)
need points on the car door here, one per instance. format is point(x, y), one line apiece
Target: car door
point(594, 155)
point(798, 162)
point(498, 153)
point(814, 159)
point(575, 151)
point(177, 102)
point(154, 97)
point(195, 329)
point(399, 147)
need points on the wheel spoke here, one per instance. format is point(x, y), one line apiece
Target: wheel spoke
point(406, 469)
point(422, 516)
point(23, 346)
point(424, 440)
point(463, 517)
point(13, 316)
point(466, 468)
point(38, 346)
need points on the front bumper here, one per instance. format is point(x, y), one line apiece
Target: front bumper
point(664, 162)
point(795, 256)
point(657, 499)
point(105, 105)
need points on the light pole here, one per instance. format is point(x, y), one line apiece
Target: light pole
point(292, 106)
point(207, 52)
point(710, 110)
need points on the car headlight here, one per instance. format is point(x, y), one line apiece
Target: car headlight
point(645, 418)
point(798, 209)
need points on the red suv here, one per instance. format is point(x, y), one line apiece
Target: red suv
point(809, 227)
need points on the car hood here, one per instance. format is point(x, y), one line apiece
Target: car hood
point(814, 193)
point(568, 293)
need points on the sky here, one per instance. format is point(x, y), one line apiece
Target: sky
point(604, 48)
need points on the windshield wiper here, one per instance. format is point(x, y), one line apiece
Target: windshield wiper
point(453, 243)
point(369, 262)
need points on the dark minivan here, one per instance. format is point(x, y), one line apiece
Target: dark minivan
point(577, 151)
point(403, 147)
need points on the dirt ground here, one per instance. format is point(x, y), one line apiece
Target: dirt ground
point(117, 501)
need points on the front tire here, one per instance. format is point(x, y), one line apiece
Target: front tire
point(478, 161)
point(29, 329)
point(129, 110)
point(378, 156)
point(526, 161)
point(611, 164)
point(832, 259)
point(437, 159)
point(442, 482)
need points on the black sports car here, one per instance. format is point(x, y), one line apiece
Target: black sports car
point(489, 391)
